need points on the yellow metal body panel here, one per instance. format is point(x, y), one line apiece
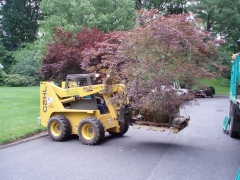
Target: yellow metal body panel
point(52, 98)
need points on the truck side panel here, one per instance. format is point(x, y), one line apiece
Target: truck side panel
point(234, 78)
point(234, 97)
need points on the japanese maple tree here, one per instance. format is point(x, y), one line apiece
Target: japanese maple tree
point(161, 51)
point(81, 53)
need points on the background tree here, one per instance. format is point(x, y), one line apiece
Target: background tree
point(164, 6)
point(221, 18)
point(106, 15)
point(20, 22)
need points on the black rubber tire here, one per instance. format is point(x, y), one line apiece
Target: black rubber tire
point(59, 128)
point(233, 115)
point(123, 129)
point(232, 133)
point(95, 126)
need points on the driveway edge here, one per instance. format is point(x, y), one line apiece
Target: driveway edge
point(23, 140)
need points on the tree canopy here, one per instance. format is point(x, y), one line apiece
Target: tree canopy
point(221, 18)
point(106, 15)
point(83, 52)
point(166, 7)
point(20, 22)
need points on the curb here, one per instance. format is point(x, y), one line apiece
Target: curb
point(220, 95)
point(27, 139)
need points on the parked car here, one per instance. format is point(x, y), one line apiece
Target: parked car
point(176, 87)
point(212, 89)
point(205, 92)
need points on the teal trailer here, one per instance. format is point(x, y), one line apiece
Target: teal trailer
point(234, 96)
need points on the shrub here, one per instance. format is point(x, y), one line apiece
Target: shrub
point(33, 80)
point(15, 80)
point(225, 82)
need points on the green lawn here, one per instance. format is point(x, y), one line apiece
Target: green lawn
point(19, 111)
point(219, 89)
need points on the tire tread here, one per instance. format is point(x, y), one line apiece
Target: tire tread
point(66, 128)
point(99, 133)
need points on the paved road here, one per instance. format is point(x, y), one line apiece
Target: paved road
point(199, 152)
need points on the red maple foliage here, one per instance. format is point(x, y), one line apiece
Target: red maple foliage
point(174, 41)
point(80, 53)
point(163, 50)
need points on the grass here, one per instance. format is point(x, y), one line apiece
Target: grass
point(219, 89)
point(19, 111)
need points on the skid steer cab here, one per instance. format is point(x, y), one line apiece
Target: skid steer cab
point(81, 107)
